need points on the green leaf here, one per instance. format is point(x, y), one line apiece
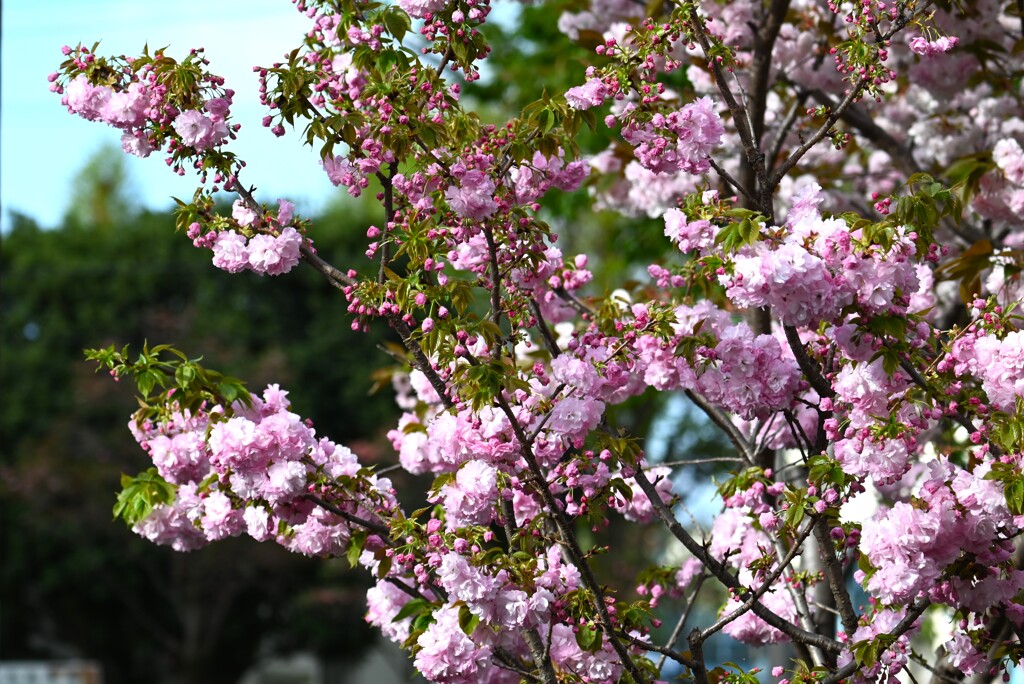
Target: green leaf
point(1014, 492)
point(139, 495)
point(467, 621)
point(184, 376)
point(588, 637)
point(397, 23)
point(147, 380)
point(416, 606)
point(462, 295)
point(888, 325)
point(355, 548)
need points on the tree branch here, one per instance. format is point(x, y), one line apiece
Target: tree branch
point(834, 576)
point(722, 574)
point(724, 424)
point(568, 541)
point(380, 530)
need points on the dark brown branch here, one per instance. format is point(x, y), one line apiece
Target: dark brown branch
point(389, 217)
point(913, 613)
point(666, 650)
point(760, 83)
point(572, 301)
point(851, 96)
point(724, 424)
point(422, 362)
point(834, 575)
point(545, 332)
point(381, 530)
point(568, 542)
point(492, 258)
point(700, 670)
point(783, 130)
point(731, 182)
point(739, 115)
point(754, 596)
point(807, 365)
point(722, 574)
point(337, 278)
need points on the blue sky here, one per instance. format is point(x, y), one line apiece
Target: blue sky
point(42, 147)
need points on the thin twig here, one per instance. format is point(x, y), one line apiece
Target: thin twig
point(834, 575)
point(380, 530)
point(732, 182)
point(569, 542)
point(545, 332)
point(723, 575)
point(807, 365)
point(695, 461)
point(666, 650)
point(723, 423)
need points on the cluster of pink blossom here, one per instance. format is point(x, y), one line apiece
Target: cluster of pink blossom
point(957, 513)
point(203, 131)
point(735, 541)
point(999, 366)
point(341, 172)
point(125, 109)
point(689, 236)
point(747, 374)
point(547, 280)
point(473, 197)
point(250, 473)
point(591, 94)
point(680, 141)
point(533, 180)
point(894, 659)
point(447, 654)
point(818, 268)
point(470, 498)
point(750, 375)
point(920, 45)
point(264, 253)
point(136, 104)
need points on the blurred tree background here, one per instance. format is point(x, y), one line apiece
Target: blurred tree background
point(73, 583)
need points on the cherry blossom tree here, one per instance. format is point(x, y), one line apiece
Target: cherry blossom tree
point(840, 185)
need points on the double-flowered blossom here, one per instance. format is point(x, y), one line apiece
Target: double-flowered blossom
point(199, 130)
point(956, 513)
point(267, 253)
point(816, 270)
point(448, 654)
point(591, 94)
point(135, 101)
point(473, 197)
point(894, 659)
point(470, 498)
point(680, 141)
point(263, 254)
point(250, 473)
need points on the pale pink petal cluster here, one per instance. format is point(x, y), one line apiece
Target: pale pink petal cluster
point(263, 254)
point(681, 141)
point(591, 94)
point(930, 48)
point(473, 198)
